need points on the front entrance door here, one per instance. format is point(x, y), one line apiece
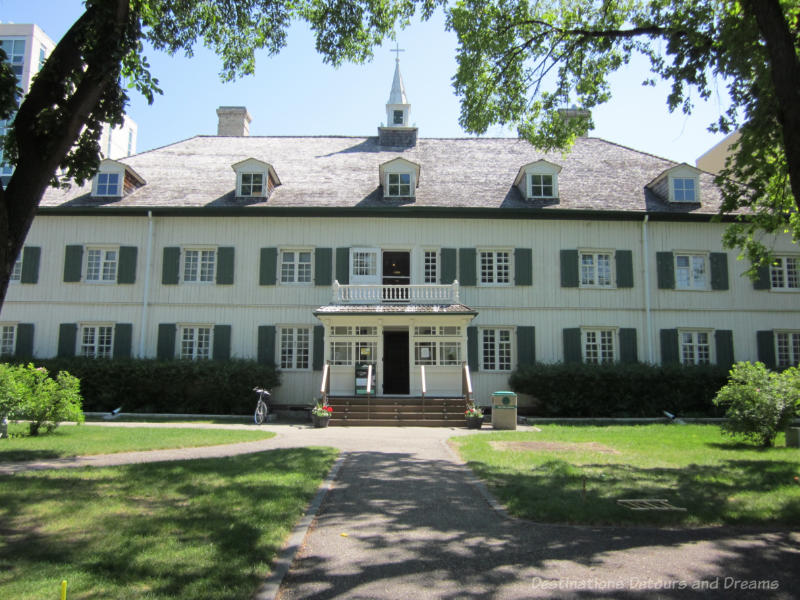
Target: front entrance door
point(396, 275)
point(395, 362)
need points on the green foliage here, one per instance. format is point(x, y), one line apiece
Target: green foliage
point(760, 403)
point(618, 390)
point(175, 386)
point(28, 392)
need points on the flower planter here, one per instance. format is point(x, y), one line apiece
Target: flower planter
point(320, 421)
point(474, 422)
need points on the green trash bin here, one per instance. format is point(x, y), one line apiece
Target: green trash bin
point(504, 410)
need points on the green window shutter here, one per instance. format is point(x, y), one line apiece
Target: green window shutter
point(569, 269)
point(669, 347)
point(624, 259)
point(765, 340)
point(719, 270)
point(323, 266)
point(222, 342)
point(466, 266)
point(31, 256)
point(449, 265)
point(724, 342)
point(165, 349)
point(343, 265)
point(123, 340)
point(126, 273)
point(572, 345)
point(762, 282)
point(171, 269)
point(24, 342)
point(225, 265)
point(472, 349)
point(67, 336)
point(318, 356)
point(268, 267)
point(266, 344)
point(628, 352)
point(523, 266)
point(665, 268)
point(73, 264)
point(526, 345)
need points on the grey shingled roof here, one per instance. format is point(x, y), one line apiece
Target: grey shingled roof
point(343, 172)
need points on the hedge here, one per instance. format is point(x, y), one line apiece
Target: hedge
point(620, 390)
point(175, 386)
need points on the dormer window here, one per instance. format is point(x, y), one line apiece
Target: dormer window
point(255, 178)
point(683, 189)
point(399, 178)
point(108, 184)
point(538, 180)
point(679, 184)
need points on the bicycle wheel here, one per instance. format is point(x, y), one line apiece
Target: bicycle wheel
point(261, 412)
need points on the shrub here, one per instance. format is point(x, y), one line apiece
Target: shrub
point(30, 393)
point(759, 403)
point(172, 386)
point(619, 390)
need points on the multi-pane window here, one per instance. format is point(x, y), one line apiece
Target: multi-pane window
point(8, 335)
point(341, 353)
point(788, 346)
point(496, 349)
point(784, 273)
point(359, 349)
point(195, 342)
point(541, 186)
point(399, 184)
point(596, 269)
point(599, 346)
point(15, 54)
point(252, 184)
point(690, 272)
point(296, 266)
point(495, 267)
point(108, 183)
point(295, 347)
point(16, 272)
point(5, 168)
point(101, 264)
point(199, 266)
point(425, 353)
point(96, 341)
point(431, 266)
point(695, 347)
point(683, 189)
point(365, 263)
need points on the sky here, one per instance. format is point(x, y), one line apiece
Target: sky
point(296, 94)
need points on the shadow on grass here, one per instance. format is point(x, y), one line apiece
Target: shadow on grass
point(193, 529)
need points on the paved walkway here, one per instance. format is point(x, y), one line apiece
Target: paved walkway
point(405, 519)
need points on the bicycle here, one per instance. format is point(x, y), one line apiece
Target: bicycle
point(262, 408)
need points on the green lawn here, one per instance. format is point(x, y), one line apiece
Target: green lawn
point(556, 476)
point(180, 530)
point(71, 440)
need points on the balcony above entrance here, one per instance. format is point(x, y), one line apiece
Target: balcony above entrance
point(426, 294)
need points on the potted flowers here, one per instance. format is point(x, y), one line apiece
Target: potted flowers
point(321, 415)
point(474, 416)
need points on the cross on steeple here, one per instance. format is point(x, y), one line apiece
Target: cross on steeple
point(397, 50)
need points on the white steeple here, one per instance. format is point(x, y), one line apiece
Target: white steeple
point(397, 108)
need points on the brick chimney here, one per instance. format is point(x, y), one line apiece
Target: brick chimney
point(233, 121)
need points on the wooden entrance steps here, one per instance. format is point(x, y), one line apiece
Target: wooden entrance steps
point(353, 411)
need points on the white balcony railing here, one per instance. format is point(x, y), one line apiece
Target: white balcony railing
point(395, 294)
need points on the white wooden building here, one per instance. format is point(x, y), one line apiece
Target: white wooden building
point(415, 255)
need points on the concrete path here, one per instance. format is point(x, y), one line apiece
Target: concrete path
point(405, 519)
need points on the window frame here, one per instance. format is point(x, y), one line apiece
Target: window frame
point(16, 270)
point(509, 267)
point(785, 273)
point(97, 336)
point(182, 328)
point(297, 359)
point(498, 358)
point(695, 344)
point(4, 341)
point(100, 280)
point(595, 253)
point(296, 266)
point(436, 254)
point(399, 184)
point(197, 280)
point(691, 255)
point(602, 359)
point(675, 192)
point(240, 184)
point(350, 339)
point(792, 346)
point(117, 189)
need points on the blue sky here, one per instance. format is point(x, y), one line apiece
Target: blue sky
point(294, 93)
